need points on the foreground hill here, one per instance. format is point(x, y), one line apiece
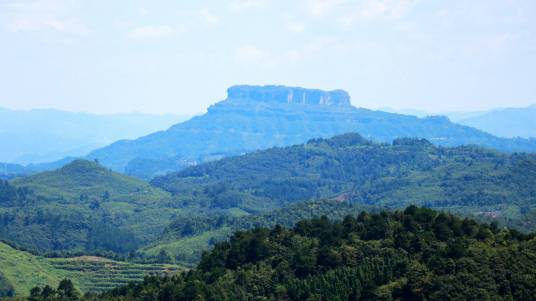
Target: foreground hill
point(82, 206)
point(20, 271)
point(48, 135)
point(351, 168)
point(253, 118)
point(417, 254)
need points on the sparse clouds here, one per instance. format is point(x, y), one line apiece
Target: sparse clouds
point(251, 55)
point(295, 27)
point(27, 23)
point(208, 17)
point(153, 32)
point(321, 7)
point(53, 15)
point(385, 8)
point(347, 12)
point(142, 11)
point(347, 43)
point(242, 5)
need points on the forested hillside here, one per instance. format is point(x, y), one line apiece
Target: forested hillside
point(415, 254)
point(187, 237)
point(85, 207)
point(352, 169)
point(82, 207)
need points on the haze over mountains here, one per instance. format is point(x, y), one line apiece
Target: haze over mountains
point(259, 117)
point(249, 119)
point(508, 122)
point(44, 135)
point(286, 179)
point(243, 164)
point(502, 122)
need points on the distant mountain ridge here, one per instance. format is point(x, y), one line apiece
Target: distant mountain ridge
point(502, 122)
point(260, 117)
point(45, 135)
point(507, 122)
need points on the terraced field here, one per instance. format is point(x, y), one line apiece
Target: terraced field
point(96, 274)
point(90, 274)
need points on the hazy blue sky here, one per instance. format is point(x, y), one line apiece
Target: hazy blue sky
point(180, 56)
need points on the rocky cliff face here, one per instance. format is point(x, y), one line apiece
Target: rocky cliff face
point(288, 95)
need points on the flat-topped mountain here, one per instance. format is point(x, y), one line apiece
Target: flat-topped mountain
point(260, 117)
point(288, 95)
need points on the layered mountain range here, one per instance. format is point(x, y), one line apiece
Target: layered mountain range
point(260, 117)
point(44, 135)
point(509, 122)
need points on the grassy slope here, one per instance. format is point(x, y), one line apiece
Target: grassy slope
point(25, 271)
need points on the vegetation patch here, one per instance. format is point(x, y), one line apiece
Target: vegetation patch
point(24, 271)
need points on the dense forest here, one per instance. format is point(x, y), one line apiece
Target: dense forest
point(415, 254)
point(352, 169)
point(84, 207)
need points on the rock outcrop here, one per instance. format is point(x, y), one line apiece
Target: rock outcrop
point(289, 95)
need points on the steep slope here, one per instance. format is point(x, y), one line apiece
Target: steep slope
point(253, 118)
point(26, 140)
point(416, 254)
point(82, 206)
point(351, 168)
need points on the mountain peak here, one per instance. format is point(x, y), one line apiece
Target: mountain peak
point(294, 95)
point(82, 166)
point(84, 171)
